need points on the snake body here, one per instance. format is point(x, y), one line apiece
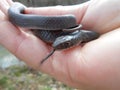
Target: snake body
point(61, 31)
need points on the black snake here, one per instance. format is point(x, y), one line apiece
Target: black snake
point(62, 31)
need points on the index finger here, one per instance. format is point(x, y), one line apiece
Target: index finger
point(4, 5)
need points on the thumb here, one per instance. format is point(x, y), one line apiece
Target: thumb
point(77, 10)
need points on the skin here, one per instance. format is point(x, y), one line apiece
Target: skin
point(93, 66)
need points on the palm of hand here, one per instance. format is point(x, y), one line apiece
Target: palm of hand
point(92, 65)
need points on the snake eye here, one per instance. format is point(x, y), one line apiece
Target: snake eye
point(67, 44)
point(62, 43)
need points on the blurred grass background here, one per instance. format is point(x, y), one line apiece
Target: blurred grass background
point(15, 75)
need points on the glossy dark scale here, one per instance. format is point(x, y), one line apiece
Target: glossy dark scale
point(61, 31)
point(48, 36)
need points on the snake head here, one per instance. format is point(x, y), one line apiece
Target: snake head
point(63, 42)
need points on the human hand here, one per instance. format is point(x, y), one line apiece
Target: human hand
point(94, 66)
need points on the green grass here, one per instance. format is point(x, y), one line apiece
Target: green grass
point(24, 78)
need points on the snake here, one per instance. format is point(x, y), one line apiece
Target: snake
point(59, 31)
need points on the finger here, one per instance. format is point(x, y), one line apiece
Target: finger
point(107, 46)
point(77, 10)
point(8, 33)
point(10, 2)
point(102, 16)
point(4, 6)
point(19, 42)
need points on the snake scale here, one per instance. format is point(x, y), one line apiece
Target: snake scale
point(61, 31)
